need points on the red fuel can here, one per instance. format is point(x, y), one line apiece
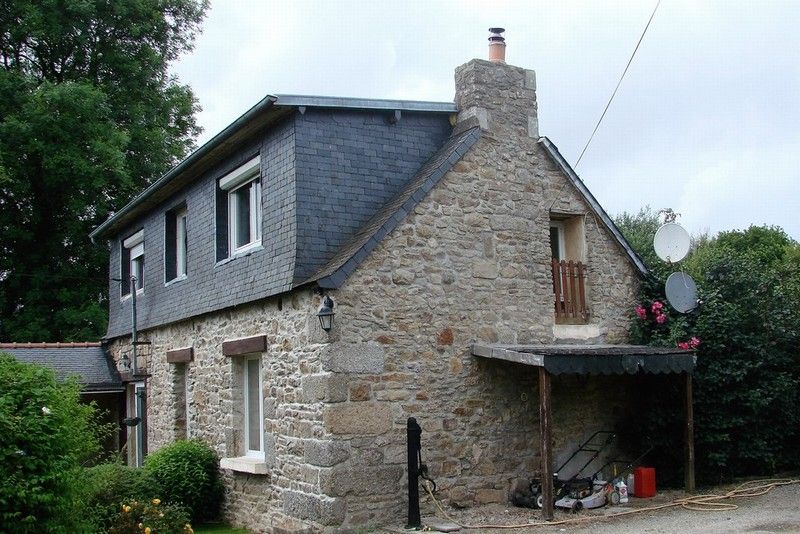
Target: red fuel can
point(644, 482)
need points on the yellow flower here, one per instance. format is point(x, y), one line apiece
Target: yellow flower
point(156, 501)
point(147, 530)
point(126, 508)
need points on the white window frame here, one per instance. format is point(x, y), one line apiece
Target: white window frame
point(254, 219)
point(252, 453)
point(241, 177)
point(135, 246)
point(559, 226)
point(181, 222)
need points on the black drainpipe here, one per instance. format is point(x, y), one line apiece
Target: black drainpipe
point(414, 434)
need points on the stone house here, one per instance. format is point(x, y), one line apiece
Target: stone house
point(438, 232)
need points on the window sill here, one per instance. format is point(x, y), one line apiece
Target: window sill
point(175, 280)
point(123, 298)
point(245, 464)
point(241, 253)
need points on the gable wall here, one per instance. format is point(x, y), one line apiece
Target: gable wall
point(472, 263)
point(208, 285)
point(348, 164)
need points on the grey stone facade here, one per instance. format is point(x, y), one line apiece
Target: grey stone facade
point(470, 263)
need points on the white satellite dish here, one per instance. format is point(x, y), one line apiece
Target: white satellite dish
point(672, 242)
point(681, 292)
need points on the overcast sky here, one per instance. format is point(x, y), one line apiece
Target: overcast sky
point(706, 122)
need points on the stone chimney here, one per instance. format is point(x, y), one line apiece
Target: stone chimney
point(501, 97)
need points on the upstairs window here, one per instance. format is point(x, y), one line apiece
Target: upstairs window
point(568, 251)
point(176, 244)
point(557, 240)
point(239, 210)
point(132, 263)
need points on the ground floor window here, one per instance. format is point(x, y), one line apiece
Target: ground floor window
point(253, 407)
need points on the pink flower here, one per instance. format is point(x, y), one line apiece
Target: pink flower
point(683, 345)
point(694, 342)
point(656, 307)
point(661, 318)
point(641, 312)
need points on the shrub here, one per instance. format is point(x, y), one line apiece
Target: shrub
point(46, 436)
point(150, 516)
point(186, 472)
point(110, 486)
point(747, 334)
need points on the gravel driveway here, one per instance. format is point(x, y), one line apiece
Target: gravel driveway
point(777, 511)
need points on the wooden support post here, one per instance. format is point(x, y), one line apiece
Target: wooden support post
point(545, 423)
point(689, 436)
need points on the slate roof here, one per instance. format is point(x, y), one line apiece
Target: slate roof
point(267, 111)
point(87, 361)
point(352, 253)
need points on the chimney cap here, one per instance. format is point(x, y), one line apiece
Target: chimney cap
point(496, 37)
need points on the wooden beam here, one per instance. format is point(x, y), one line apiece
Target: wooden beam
point(545, 435)
point(180, 355)
point(247, 345)
point(689, 436)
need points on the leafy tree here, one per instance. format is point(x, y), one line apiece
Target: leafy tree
point(46, 436)
point(747, 380)
point(89, 115)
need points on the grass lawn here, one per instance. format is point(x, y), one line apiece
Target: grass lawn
point(219, 529)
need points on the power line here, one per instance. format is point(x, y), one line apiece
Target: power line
point(618, 84)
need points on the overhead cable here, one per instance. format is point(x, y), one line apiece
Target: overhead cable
point(618, 84)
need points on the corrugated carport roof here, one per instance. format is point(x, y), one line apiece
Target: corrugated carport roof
point(593, 359)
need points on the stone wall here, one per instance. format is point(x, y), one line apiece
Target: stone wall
point(291, 495)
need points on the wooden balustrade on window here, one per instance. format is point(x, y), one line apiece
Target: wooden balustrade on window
point(569, 289)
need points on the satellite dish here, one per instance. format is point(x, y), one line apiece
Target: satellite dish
point(681, 292)
point(672, 242)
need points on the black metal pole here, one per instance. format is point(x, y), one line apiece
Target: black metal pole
point(414, 434)
point(134, 337)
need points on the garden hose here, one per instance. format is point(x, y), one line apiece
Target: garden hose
point(701, 503)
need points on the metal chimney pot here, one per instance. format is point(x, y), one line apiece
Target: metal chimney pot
point(497, 45)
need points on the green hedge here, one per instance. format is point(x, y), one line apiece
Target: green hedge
point(187, 473)
point(46, 436)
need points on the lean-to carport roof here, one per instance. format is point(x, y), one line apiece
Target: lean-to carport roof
point(593, 359)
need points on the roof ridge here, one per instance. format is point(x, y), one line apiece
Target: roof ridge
point(52, 345)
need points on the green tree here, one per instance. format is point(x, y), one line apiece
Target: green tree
point(89, 115)
point(46, 437)
point(747, 380)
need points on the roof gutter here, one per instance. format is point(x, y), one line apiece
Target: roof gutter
point(598, 209)
point(195, 156)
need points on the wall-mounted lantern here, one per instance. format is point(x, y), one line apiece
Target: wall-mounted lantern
point(326, 314)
